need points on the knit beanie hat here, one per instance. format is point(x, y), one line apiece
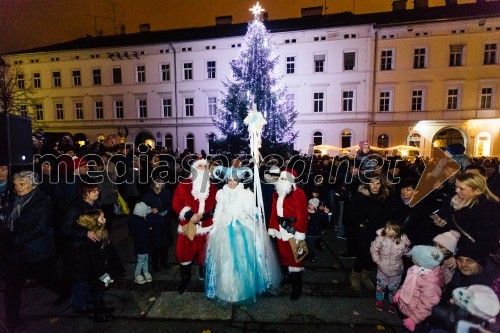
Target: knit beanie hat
point(473, 252)
point(427, 256)
point(455, 149)
point(314, 202)
point(448, 240)
point(480, 301)
point(362, 143)
point(141, 209)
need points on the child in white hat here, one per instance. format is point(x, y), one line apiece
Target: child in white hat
point(447, 243)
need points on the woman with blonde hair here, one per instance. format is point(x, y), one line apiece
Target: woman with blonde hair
point(474, 212)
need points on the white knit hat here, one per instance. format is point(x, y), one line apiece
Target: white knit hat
point(141, 209)
point(448, 240)
point(480, 301)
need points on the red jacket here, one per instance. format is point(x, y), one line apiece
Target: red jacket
point(295, 206)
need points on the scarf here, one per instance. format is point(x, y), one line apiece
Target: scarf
point(19, 203)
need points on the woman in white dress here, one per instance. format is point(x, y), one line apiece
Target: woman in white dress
point(241, 262)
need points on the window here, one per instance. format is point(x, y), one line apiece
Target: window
point(490, 53)
point(420, 58)
point(414, 140)
point(56, 79)
point(99, 110)
point(23, 110)
point(318, 101)
point(212, 106)
point(189, 106)
point(167, 107)
point(318, 138)
point(190, 143)
point(77, 78)
point(118, 106)
point(383, 141)
point(79, 110)
point(188, 70)
point(59, 111)
point(483, 144)
point(141, 73)
point(319, 63)
point(117, 75)
point(211, 69)
point(417, 100)
point(20, 81)
point(37, 80)
point(486, 95)
point(456, 55)
point(346, 137)
point(143, 108)
point(452, 100)
point(290, 65)
point(96, 76)
point(165, 72)
point(347, 100)
point(39, 111)
point(169, 140)
point(349, 61)
point(290, 102)
point(384, 101)
point(386, 60)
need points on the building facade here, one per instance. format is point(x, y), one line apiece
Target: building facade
point(422, 77)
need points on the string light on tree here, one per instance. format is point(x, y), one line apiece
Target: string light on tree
point(256, 10)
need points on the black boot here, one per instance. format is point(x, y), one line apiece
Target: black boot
point(286, 275)
point(296, 278)
point(185, 277)
point(201, 273)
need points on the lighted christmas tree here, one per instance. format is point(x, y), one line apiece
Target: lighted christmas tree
point(255, 80)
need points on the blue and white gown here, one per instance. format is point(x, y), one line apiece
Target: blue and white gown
point(241, 262)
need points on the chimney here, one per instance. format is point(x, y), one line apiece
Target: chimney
point(398, 5)
point(420, 4)
point(223, 20)
point(451, 2)
point(312, 11)
point(265, 16)
point(145, 27)
point(122, 29)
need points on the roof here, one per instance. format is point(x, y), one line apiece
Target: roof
point(451, 12)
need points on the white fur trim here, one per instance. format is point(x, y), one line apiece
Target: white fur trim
point(199, 230)
point(282, 234)
point(279, 206)
point(295, 269)
point(288, 176)
point(274, 233)
point(184, 211)
point(299, 235)
point(186, 263)
point(201, 208)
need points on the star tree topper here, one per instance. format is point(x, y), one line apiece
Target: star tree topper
point(256, 10)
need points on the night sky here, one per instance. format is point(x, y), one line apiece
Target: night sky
point(31, 23)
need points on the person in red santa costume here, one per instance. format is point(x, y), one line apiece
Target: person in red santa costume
point(289, 221)
point(194, 201)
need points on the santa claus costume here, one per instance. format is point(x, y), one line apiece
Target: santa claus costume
point(289, 221)
point(194, 201)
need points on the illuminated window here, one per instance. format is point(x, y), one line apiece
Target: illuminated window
point(346, 137)
point(483, 144)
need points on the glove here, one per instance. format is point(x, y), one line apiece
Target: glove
point(106, 279)
point(396, 297)
point(409, 324)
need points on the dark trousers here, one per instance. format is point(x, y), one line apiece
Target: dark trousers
point(108, 211)
point(42, 271)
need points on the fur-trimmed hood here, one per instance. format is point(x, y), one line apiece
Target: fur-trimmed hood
point(383, 195)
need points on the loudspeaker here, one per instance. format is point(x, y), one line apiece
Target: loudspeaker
point(21, 143)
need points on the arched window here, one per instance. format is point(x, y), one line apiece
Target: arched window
point(383, 141)
point(448, 136)
point(346, 138)
point(101, 138)
point(190, 143)
point(169, 141)
point(318, 138)
point(414, 140)
point(483, 144)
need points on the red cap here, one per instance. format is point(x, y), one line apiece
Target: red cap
point(79, 162)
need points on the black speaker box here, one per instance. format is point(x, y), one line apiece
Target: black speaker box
point(21, 143)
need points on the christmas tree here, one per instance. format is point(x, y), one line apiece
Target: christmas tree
point(255, 80)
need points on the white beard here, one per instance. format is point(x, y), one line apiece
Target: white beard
point(199, 185)
point(283, 187)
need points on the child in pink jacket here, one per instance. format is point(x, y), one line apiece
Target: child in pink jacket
point(422, 287)
point(387, 251)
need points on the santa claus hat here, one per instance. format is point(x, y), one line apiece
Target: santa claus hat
point(448, 240)
point(198, 163)
point(79, 162)
point(289, 174)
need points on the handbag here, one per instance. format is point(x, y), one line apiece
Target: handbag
point(299, 249)
point(121, 207)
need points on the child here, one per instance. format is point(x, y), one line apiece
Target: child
point(447, 243)
point(314, 223)
point(95, 267)
point(387, 251)
point(141, 226)
point(422, 287)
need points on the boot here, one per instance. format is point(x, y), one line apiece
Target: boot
point(201, 273)
point(366, 281)
point(185, 277)
point(286, 275)
point(355, 281)
point(296, 278)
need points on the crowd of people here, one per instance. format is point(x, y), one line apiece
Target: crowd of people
point(430, 257)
